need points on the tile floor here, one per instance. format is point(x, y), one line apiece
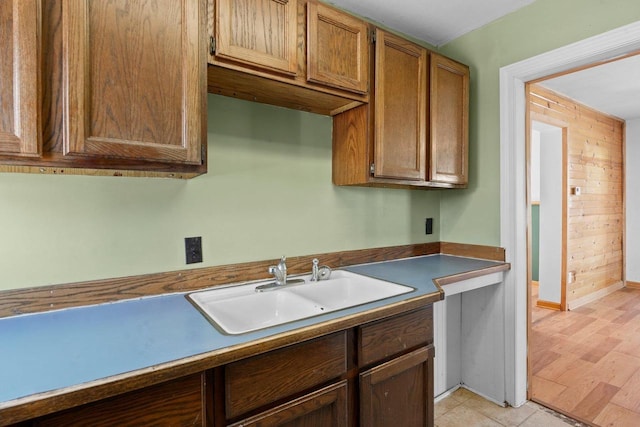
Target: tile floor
point(465, 409)
point(586, 362)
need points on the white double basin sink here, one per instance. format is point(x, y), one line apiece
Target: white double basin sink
point(240, 309)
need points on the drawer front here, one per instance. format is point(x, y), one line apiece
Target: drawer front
point(174, 403)
point(325, 407)
point(267, 378)
point(389, 337)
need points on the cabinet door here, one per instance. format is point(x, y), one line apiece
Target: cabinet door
point(175, 403)
point(260, 33)
point(337, 49)
point(399, 392)
point(400, 108)
point(325, 407)
point(449, 121)
point(135, 79)
point(19, 84)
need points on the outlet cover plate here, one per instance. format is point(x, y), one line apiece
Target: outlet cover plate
point(428, 226)
point(193, 249)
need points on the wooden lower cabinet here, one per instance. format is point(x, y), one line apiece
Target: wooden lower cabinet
point(376, 374)
point(399, 392)
point(175, 403)
point(382, 375)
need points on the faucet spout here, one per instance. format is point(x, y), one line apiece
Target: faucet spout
point(280, 271)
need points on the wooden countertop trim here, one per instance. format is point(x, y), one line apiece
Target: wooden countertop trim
point(55, 297)
point(492, 253)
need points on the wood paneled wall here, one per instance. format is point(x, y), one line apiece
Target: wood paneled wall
point(595, 220)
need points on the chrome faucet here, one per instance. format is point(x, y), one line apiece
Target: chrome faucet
point(319, 272)
point(280, 271)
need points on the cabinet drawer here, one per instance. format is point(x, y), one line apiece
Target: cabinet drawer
point(325, 407)
point(385, 338)
point(267, 378)
point(174, 403)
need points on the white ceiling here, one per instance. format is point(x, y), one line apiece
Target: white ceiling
point(612, 88)
point(434, 21)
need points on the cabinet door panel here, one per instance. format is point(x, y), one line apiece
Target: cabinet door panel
point(19, 78)
point(449, 120)
point(260, 33)
point(136, 79)
point(337, 49)
point(326, 407)
point(399, 392)
point(400, 108)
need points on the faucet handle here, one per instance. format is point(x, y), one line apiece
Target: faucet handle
point(319, 272)
point(324, 272)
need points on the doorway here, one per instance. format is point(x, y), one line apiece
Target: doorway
point(547, 183)
point(513, 202)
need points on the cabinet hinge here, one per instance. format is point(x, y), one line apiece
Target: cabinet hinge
point(372, 169)
point(373, 36)
point(212, 45)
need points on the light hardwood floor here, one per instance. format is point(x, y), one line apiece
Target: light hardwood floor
point(586, 362)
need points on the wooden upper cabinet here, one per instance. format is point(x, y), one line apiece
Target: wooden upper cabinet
point(400, 108)
point(449, 121)
point(134, 79)
point(414, 132)
point(19, 78)
point(337, 49)
point(259, 33)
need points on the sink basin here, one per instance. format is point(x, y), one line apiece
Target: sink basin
point(348, 290)
point(240, 309)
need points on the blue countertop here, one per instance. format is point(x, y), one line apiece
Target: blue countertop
point(60, 349)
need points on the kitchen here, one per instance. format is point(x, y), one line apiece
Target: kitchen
point(79, 228)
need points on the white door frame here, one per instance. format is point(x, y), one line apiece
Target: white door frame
point(513, 204)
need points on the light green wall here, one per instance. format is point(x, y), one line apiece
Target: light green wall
point(268, 193)
point(472, 215)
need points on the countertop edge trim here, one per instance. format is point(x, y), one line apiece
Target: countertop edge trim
point(443, 281)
